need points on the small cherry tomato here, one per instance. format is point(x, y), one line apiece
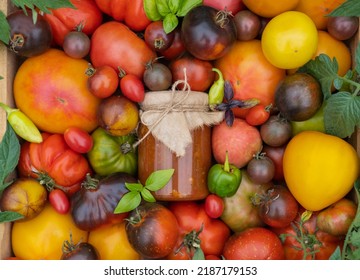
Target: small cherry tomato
point(214, 206)
point(59, 201)
point(132, 87)
point(258, 114)
point(78, 139)
point(103, 81)
point(76, 44)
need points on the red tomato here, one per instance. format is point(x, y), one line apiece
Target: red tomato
point(176, 48)
point(195, 223)
point(64, 20)
point(132, 87)
point(258, 114)
point(78, 139)
point(255, 243)
point(232, 6)
point(214, 206)
point(55, 161)
point(114, 44)
point(103, 81)
point(276, 154)
point(303, 240)
point(131, 12)
point(59, 201)
point(199, 74)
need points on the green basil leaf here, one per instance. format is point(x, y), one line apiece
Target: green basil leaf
point(147, 196)
point(324, 70)
point(9, 216)
point(151, 10)
point(174, 5)
point(158, 179)
point(170, 22)
point(186, 6)
point(42, 5)
point(349, 8)
point(341, 114)
point(5, 29)
point(9, 155)
point(137, 187)
point(128, 202)
point(162, 7)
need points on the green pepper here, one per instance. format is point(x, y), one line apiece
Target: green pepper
point(22, 124)
point(111, 154)
point(216, 91)
point(224, 179)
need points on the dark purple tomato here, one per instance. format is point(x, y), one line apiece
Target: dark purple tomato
point(156, 37)
point(261, 169)
point(342, 28)
point(26, 37)
point(79, 251)
point(157, 76)
point(277, 207)
point(76, 44)
point(247, 24)
point(276, 131)
point(208, 33)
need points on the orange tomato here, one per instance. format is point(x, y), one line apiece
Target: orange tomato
point(51, 89)
point(270, 8)
point(112, 243)
point(250, 73)
point(318, 9)
point(334, 49)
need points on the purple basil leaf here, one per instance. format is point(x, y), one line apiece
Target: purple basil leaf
point(228, 91)
point(229, 117)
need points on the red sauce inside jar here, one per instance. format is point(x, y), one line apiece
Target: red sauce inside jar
point(189, 181)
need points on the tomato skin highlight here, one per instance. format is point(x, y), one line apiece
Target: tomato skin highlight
point(78, 139)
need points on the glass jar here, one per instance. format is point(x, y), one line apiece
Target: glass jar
point(189, 181)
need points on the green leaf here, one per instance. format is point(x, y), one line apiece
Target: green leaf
point(128, 202)
point(338, 82)
point(342, 114)
point(357, 59)
point(134, 186)
point(348, 8)
point(170, 22)
point(5, 29)
point(9, 155)
point(198, 254)
point(336, 255)
point(147, 196)
point(186, 6)
point(9, 216)
point(174, 5)
point(151, 10)
point(163, 7)
point(42, 5)
point(158, 179)
point(324, 70)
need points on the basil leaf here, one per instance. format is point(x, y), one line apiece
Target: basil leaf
point(5, 29)
point(147, 196)
point(128, 202)
point(348, 8)
point(341, 114)
point(170, 22)
point(162, 7)
point(9, 216)
point(186, 6)
point(158, 179)
point(174, 5)
point(134, 186)
point(9, 155)
point(324, 70)
point(151, 10)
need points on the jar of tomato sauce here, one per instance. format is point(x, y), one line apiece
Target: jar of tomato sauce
point(180, 139)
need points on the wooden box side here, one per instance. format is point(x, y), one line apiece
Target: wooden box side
point(8, 66)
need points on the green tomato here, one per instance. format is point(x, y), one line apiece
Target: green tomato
point(112, 154)
point(316, 123)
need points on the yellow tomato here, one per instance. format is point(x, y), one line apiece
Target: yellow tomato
point(112, 243)
point(319, 169)
point(270, 8)
point(289, 40)
point(334, 49)
point(318, 9)
point(42, 237)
